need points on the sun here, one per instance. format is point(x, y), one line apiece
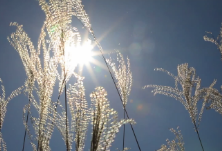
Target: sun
point(79, 54)
point(83, 53)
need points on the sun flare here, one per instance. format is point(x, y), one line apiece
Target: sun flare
point(80, 54)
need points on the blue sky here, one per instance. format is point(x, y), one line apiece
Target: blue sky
point(152, 33)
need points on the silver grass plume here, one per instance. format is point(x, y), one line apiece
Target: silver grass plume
point(79, 116)
point(71, 43)
point(3, 109)
point(44, 72)
point(105, 121)
point(59, 13)
point(26, 110)
point(64, 38)
point(123, 75)
point(217, 41)
point(4, 101)
point(29, 56)
point(214, 96)
point(58, 17)
point(79, 112)
point(176, 144)
point(46, 134)
point(189, 83)
point(2, 143)
point(60, 123)
point(214, 99)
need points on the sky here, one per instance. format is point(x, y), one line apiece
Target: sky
point(153, 34)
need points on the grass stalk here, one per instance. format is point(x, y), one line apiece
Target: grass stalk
point(124, 130)
point(67, 141)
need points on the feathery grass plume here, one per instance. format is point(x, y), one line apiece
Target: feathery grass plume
point(71, 45)
point(2, 143)
point(43, 131)
point(175, 145)
point(217, 41)
point(81, 14)
point(3, 108)
point(44, 139)
point(43, 72)
point(105, 121)
point(214, 99)
point(79, 112)
point(58, 17)
point(26, 110)
point(59, 14)
point(29, 56)
point(60, 123)
point(123, 75)
point(189, 83)
point(79, 116)
point(4, 101)
point(64, 38)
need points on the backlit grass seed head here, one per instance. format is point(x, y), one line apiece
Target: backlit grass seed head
point(217, 41)
point(213, 99)
point(4, 101)
point(41, 75)
point(3, 109)
point(60, 123)
point(104, 121)
point(79, 112)
point(176, 144)
point(123, 75)
point(185, 84)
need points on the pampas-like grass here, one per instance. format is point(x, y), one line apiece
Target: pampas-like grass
point(176, 144)
point(57, 33)
point(42, 75)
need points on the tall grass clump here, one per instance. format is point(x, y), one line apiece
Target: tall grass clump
point(52, 61)
point(56, 37)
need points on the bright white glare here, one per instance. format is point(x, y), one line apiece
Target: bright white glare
point(80, 54)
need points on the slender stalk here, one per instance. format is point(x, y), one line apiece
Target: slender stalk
point(196, 129)
point(124, 131)
point(63, 47)
point(198, 135)
point(67, 142)
point(23, 148)
point(27, 118)
point(40, 121)
point(39, 134)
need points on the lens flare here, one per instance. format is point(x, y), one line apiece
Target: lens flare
point(80, 54)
